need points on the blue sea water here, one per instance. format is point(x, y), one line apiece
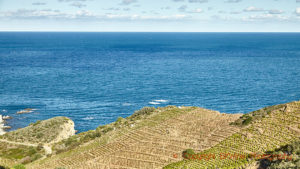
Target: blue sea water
point(94, 78)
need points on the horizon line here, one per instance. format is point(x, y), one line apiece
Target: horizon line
point(153, 31)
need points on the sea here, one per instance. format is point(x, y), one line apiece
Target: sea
point(94, 78)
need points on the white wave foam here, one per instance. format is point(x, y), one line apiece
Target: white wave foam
point(155, 103)
point(88, 118)
point(127, 104)
point(161, 101)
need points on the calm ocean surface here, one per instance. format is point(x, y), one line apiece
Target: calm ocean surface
point(94, 78)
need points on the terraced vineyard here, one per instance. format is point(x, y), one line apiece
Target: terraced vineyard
point(153, 142)
point(280, 127)
point(157, 138)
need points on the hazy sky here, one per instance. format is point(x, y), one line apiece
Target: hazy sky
point(151, 15)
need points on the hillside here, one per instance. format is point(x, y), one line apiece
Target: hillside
point(152, 141)
point(267, 130)
point(34, 142)
point(168, 137)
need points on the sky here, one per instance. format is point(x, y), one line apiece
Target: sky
point(150, 15)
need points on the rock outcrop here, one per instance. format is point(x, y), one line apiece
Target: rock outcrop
point(67, 130)
point(6, 117)
point(28, 110)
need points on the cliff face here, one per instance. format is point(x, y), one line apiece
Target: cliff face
point(1, 125)
point(67, 130)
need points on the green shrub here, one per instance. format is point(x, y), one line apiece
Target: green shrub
point(119, 120)
point(107, 129)
point(104, 129)
point(247, 120)
point(186, 154)
point(143, 111)
point(19, 166)
point(26, 160)
point(37, 123)
point(70, 141)
point(36, 157)
point(40, 147)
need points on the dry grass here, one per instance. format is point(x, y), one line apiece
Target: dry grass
point(39, 132)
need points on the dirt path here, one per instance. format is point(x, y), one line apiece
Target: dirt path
point(18, 143)
point(47, 147)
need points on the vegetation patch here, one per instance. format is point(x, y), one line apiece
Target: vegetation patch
point(19, 166)
point(188, 153)
point(246, 119)
point(39, 132)
point(24, 154)
point(139, 113)
point(292, 160)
